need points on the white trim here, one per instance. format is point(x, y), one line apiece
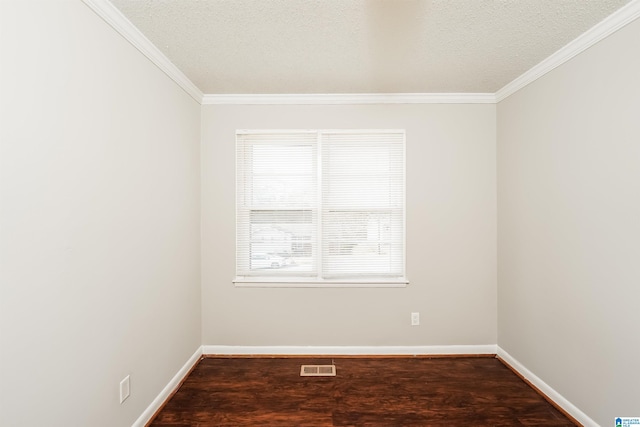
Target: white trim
point(560, 400)
point(422, 350)
point(112, 16)
point(605, 28)
point(349, 98)
point(320, 275)
point(318, 243)
point(145, 417)
point(435, 350)
point(316, 131)
point(288, 282)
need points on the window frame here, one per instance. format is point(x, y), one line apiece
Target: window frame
point(314, 279)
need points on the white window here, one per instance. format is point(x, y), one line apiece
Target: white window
point(320, 208)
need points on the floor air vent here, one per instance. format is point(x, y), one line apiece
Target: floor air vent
point(318, 371)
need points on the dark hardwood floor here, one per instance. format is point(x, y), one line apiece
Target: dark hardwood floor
point(365, 392)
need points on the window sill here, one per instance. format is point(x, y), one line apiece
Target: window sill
point(303, 282)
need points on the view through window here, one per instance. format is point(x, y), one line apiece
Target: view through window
point(320, 205)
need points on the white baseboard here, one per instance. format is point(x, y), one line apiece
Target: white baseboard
point(169, 388)
point(210, 350)
point(350, 350)
point(560, 400)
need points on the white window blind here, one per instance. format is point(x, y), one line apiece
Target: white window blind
point(320, 205)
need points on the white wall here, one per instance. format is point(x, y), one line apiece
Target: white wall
point(100, 220)
point(99, 237)
point(569, 227)
point(451, 235)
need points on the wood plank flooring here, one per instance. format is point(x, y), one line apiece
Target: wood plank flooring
point(365, 392)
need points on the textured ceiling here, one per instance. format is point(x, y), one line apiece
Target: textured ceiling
point(360, 46)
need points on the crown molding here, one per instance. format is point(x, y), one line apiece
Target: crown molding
point(349, 98)
point(598, 32)
point(112, 16)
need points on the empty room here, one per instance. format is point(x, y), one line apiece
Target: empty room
point(319, 213)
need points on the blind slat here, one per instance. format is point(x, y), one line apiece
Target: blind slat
point(327, 204)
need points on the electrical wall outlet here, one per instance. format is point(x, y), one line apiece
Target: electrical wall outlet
point(415, 319)
point(125, 388)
